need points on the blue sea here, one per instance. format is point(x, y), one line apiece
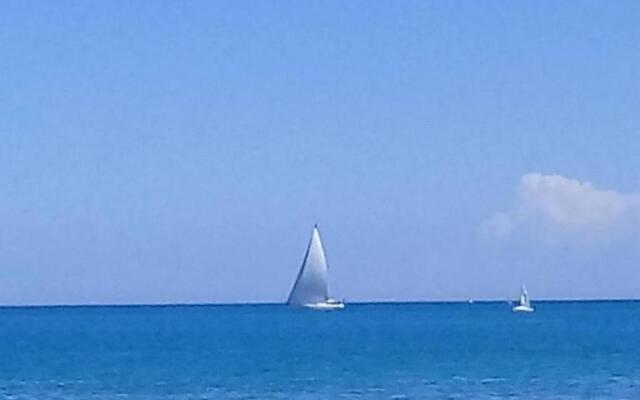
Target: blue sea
point(565, 350)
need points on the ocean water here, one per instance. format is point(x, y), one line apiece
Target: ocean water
point(566, 350)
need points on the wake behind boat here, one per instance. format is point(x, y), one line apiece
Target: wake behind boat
point(311, 289)
point(524, 304)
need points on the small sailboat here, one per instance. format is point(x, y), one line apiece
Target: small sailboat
point(310, 289)
point(524, 305)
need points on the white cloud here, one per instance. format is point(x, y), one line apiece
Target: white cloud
point(563, 207)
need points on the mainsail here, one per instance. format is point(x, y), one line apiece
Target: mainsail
point(524, 297)
point(311, 284)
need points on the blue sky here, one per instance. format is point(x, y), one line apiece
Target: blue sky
point(182, 151)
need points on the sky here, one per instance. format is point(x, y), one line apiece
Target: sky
point(180, 152)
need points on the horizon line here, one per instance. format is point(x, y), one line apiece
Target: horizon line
point(270, 303)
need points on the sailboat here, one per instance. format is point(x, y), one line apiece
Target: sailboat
point(524, 305)
point(310, 289)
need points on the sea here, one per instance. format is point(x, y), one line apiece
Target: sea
point(565, 350)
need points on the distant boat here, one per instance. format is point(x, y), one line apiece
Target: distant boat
point(310, 289)
point(524, 304)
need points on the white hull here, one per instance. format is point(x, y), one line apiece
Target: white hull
point(325, 305)
point(523, 309)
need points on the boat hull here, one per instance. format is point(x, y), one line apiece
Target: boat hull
point(325, 306)
point(523, 309)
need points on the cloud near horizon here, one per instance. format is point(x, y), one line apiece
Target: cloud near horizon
point(565, 208)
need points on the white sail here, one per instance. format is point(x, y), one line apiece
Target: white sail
point(524, 297)
point(310, 288)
